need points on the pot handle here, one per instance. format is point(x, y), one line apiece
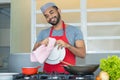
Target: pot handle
point(66, 66)
point(38, 67)
point(66, 63)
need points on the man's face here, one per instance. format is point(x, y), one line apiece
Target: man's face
point(52, 16)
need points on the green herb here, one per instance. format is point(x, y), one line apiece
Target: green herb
point(112, 66)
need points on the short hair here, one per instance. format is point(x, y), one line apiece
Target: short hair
point(55, 7)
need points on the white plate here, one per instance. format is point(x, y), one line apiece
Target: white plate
point(56, 56)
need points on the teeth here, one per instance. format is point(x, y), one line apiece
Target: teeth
point(52, 19)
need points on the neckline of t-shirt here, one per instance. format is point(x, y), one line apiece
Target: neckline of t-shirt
point(60, 29)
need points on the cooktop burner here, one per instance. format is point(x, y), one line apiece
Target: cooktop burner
point(53, 77)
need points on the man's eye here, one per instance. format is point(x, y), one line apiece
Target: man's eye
point(46, 16)
point(51, 12)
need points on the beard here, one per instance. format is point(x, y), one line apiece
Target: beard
point(55, 21)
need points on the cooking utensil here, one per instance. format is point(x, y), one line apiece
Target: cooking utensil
point(80, 69)
point(30, 70)
point(66, 63)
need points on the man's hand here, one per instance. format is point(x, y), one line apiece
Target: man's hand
point(78, 50)
point(43, 42)
point(61, 44)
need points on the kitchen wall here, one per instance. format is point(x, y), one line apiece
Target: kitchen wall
point(20, 26)
point(20, 39)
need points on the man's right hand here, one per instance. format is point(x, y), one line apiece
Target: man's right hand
point(43, 42)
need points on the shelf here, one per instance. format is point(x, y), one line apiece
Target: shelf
point(103, 9)
point(92, 52)
point(102, 23)
point(96, 24)
point(103, 38)
point(63, 11)
point(43, 25)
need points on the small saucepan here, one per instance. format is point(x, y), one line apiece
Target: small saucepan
point(30, 70)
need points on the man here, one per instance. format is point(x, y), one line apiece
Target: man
point(66, 36)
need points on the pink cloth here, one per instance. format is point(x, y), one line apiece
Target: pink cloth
point(42, 52)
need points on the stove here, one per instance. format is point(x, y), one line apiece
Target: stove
point(52, 76)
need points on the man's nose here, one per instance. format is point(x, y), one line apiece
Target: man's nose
point(50, 17)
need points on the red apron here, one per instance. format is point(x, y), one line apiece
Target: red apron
point(69, 57)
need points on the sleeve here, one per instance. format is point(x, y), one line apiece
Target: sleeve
point(78, 34)
point(39, 37)
point(43, 34)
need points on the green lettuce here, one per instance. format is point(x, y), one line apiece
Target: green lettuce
point(112, 66)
